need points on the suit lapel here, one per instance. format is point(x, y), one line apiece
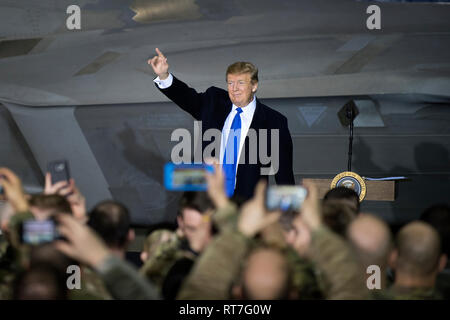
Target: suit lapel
point(258, 122)
point(258, 117)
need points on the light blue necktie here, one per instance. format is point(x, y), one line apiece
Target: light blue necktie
point(230, 155)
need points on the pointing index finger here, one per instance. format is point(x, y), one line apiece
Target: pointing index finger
point(160, 54)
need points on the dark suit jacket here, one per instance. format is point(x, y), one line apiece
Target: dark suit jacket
point(212, 108)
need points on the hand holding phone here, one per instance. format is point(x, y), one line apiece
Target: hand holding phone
point(59, 170)
point(186, 177)
point(36, 232)
point(285, 197)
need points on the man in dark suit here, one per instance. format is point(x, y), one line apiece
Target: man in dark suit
point(241, 118)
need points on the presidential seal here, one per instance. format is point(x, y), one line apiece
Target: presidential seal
point(350, 180)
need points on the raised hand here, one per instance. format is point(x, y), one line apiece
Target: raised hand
point(159, 65)
point(56, 188)
point(216, 185)
point(310, 211)
point(69, 190)
point(308, 219)
point(13, 190)
point(254, 216)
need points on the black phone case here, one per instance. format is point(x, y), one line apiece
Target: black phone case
point(59, 170)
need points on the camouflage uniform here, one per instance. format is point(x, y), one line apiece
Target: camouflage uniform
point(7, 274)
point(164, 257)
point(124, 282)
point(339, 271)
point(9, 267)
point(217, 267)
point(305, 281)
point(221, 262)
point(3, 246)
point(92, 287)
point(396, 293)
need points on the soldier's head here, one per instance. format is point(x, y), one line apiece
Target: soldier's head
point(345, 195)
point(371, 239)
point(111, 220)
point(48, 254)
point(337, 216)
point(417, 257)
point(40, 282)
point(265, 276)
point(242, 82)
point(154, 240)
point(44, 206)
point(193, 205)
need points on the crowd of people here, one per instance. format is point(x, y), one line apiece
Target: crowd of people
point(221, 248)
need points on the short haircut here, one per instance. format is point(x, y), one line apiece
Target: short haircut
point(285, 287)
point(241, 67)
point(377, 251)
point(48, 254)
point(337, 216)
point(40, 282)
point(155, 239)
point(50, 202)
point(342, 193)
point(419, 249)
point(438, 216)
point(196, 200)
point(111, 220)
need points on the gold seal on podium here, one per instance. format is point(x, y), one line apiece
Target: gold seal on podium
point(350, 180)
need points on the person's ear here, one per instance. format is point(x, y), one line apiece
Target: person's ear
point(254, 87)
point(393, 259)
point(442, 262)
point(144, 256)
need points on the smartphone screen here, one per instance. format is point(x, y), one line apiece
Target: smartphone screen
point(59, 170)
point(37, 232)
point(186, 177)
point(285, 197)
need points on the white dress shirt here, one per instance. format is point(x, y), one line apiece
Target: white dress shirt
point(246, 119)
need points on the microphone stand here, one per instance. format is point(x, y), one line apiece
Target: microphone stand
point(350, 117)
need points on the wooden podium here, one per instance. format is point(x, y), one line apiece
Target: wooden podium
point(375, 190)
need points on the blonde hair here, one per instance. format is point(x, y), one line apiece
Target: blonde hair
point(241, 67)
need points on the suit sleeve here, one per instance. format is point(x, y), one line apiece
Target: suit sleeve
point(285, 174)
point(185, 97)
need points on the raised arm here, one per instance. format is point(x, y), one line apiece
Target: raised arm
point(160, 65)
point(185, 97)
